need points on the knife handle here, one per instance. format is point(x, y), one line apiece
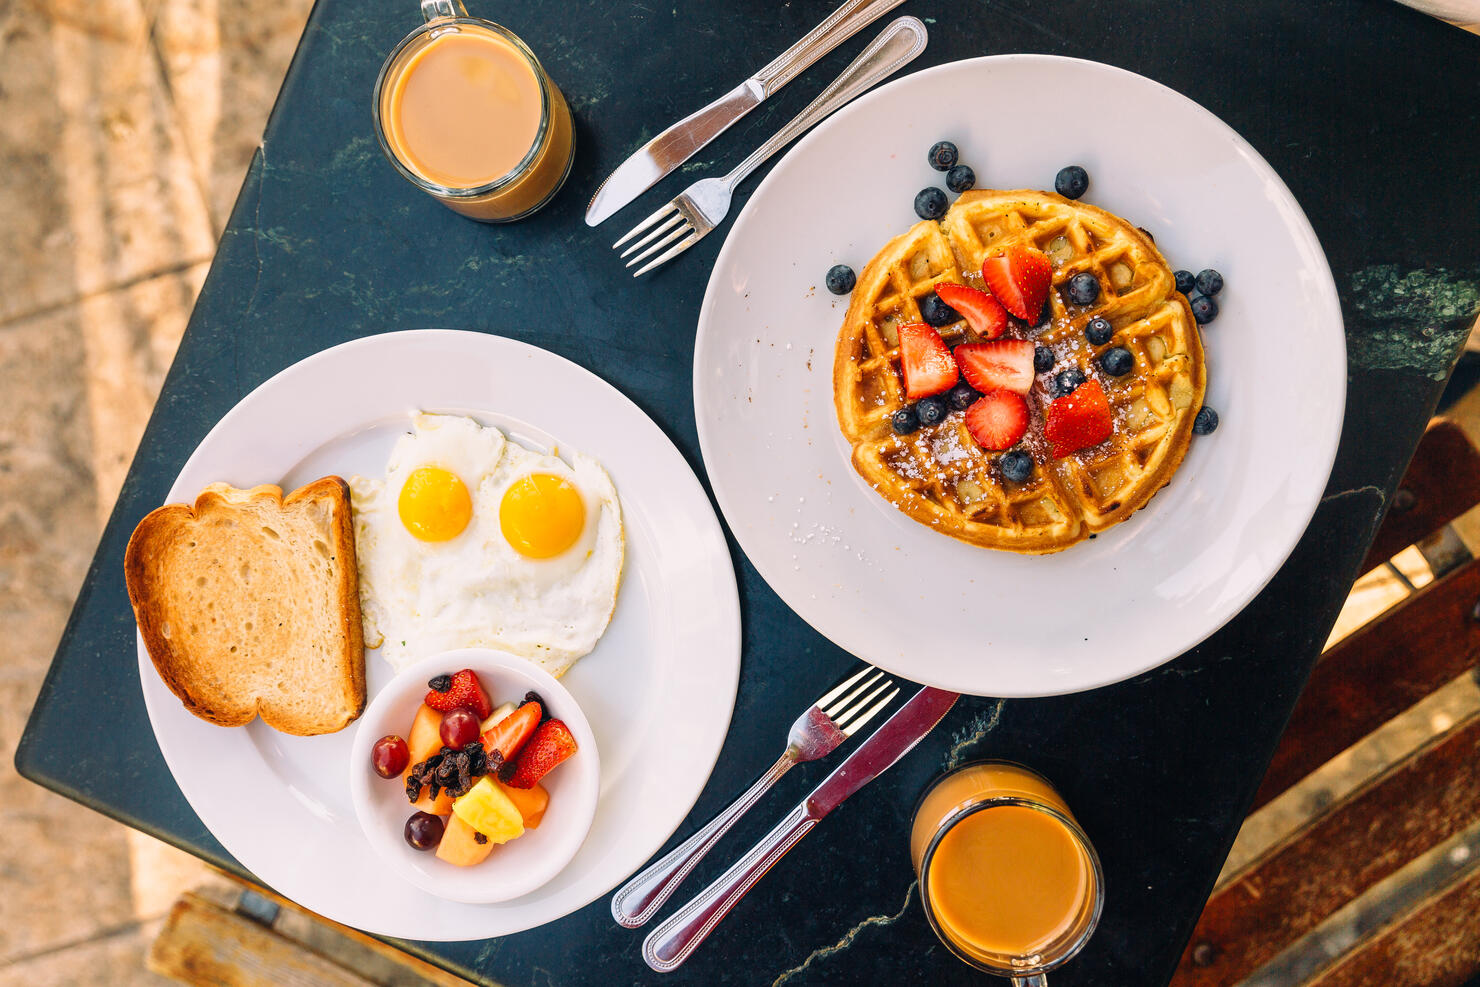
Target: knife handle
point(838, 27)
point(899, 43)
point(640, 898)
point(667, 946)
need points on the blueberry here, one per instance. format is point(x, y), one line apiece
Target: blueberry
point(943, 156)
point(960, 178)
point(930, 411)
point(1099, 330)
point(904, 421)
point(1206, 421)
point(1118, 361)
point(1204, 309)
point(1067, 381)
point(1016, 466)
point(930, 203)
point(1042, 359)
point(961, 397)
point(1185, 282)
point(1071, 181)
point(840, 279)
point(1084, 288)
point(440, 683)
point(1209, 282)
point(936, 312)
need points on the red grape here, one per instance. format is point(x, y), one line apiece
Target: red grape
point(390, 755)
point(460, 728)
point(424, 830)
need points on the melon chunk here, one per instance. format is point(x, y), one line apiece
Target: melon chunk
point(488, 810)
point(460, 845)
point(425, 738)
point(530, 802)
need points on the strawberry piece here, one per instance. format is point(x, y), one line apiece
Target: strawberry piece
point(551, 744)
point(1079, 420)
point(1019, 278)
point(981, 311)
point(1005, 364)
point(998, 419)
point(926, 361)
point(509, 735)
point(464, 690)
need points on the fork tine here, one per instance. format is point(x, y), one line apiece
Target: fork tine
point(866, 693)
point(841, 705)
point(875, 691)
point(658, 230)
point(662, 211)
point(672, 252)
point(852, 727)
point(658, 245)
point(837, 690)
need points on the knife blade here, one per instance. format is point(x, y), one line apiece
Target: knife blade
point(672, 942)
point(665, 152)
point(893, 740)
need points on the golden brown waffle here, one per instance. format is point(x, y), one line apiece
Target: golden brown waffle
point(939, 475)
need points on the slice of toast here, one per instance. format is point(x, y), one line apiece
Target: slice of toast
point(249, 605)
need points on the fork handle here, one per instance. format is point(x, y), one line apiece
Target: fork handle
point(896, 45)
point(667, 946)
point(838, 27)
point(640, 898)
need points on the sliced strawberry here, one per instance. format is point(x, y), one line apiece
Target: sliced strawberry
point(462, 689)
point(983, 312)
point(926, 361)
point(1079, 420)
point(1019, 278)
point(551, 744)
point(510, 734)
point(1003, 363)
point(997, 420)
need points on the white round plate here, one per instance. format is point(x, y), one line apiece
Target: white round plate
point(944, 612)
point(667, 666)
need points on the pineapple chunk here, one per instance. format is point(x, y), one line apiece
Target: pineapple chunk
point(488, 810)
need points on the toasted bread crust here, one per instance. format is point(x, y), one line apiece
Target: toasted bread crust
point(160, 572)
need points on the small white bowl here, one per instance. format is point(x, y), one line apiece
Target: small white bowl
point(517, 867)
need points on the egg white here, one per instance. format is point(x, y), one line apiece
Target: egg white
point(474, 590)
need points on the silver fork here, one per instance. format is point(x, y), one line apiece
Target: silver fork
point(702, 206)
point(839, 714)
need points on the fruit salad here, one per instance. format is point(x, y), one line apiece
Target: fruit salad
point(471, 771)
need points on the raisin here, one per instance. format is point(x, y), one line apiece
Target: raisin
point(442, 683)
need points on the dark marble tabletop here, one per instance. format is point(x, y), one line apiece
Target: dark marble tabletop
point(1368, 110)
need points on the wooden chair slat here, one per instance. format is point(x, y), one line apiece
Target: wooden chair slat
point(1376, 673)
point(205, 944)
point(1442, 482)
point(1410, 808)
point(1436, 945)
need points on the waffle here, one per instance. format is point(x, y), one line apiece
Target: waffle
point(939, 475)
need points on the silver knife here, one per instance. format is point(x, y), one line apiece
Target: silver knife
point(671, 943)
point(678, 143)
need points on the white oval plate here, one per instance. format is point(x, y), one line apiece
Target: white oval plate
point(667, 666)
point(920, 603)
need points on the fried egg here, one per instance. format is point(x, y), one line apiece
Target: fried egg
point(469, 540)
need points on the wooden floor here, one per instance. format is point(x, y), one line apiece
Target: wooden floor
point(125, 129)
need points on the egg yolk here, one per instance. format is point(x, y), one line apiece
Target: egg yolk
point(435, 504)
point(541, 515)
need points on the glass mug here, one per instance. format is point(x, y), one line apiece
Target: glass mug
point(1009, 881)
point(466, 113)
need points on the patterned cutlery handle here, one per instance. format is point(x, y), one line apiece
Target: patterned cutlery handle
point(667, 946)
point(838, 27)
point(640, 898)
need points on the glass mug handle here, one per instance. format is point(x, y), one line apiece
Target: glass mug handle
point(433, 9)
